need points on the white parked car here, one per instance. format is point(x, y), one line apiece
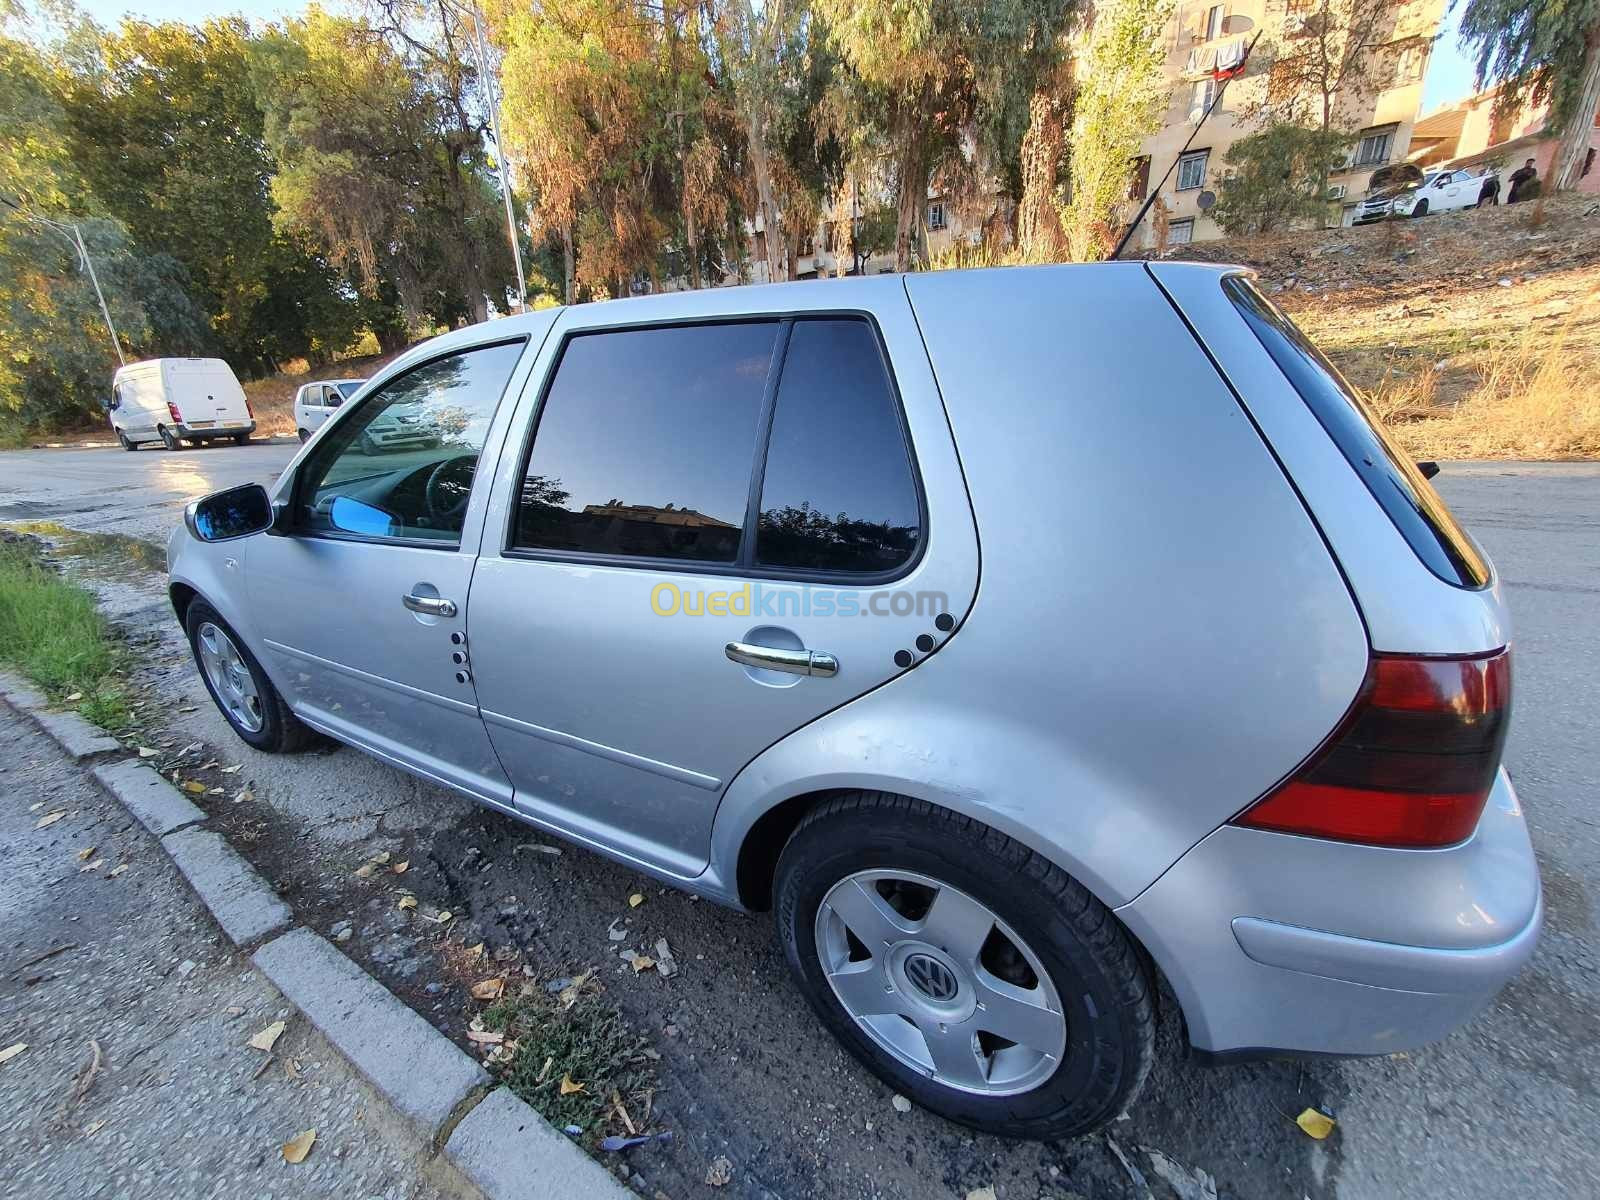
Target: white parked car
point(1439, 191)
point(315, 402)
point(177, 400)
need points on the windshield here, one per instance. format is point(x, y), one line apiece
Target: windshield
point(349, 387)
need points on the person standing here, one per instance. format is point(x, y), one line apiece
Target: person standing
point(1524, 182)
point(1489, 193)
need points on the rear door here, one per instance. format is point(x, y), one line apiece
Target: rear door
point(206, 393)
point(714, 532)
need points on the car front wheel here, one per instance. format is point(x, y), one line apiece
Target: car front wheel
point(239, 687)
point(967, 972)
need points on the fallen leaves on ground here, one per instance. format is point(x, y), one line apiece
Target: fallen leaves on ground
point(401, 867)
point(1316, 1124)
point(233, 770)
point(74, 697)
point(720, 1172)
point(635, 900)
point(489, 989)
point(297, 1147)
point(407, 902)
point(901, 1104)
point(85, 853)
point(148, 752)
point(50, 818)
point(195, 788)
point(93, 1127)
point(642, 962)
point(485, 1037)
point(116, 870)
point(12, 1051)
point(568, 1087)
point(266, 1038)
point(94, 866)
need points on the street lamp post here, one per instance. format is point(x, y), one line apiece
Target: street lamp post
point(84, 261)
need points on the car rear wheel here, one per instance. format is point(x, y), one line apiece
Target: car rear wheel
point(239, 687)
point(241, 439)
point(1421, 210)
point(169, 439)
point(122, 440)
point(304, 434)
point(967, 972)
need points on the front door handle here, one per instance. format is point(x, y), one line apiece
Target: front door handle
point(771, 658)
point(433, 606)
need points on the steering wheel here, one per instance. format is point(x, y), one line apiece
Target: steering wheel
point(447, 490)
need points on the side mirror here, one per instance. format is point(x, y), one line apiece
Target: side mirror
point(234, 513)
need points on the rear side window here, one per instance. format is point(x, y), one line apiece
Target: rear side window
point(1391, 477)
point(838, 494)
point(645, 443)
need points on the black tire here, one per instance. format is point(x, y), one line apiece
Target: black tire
point(241, 439)
point(122, 440)
point(281, 731)
point(1096, 968)
point(1421, 210)
point(305, 435)
point(169, 439)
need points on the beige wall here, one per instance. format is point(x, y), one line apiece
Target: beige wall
point(1393, 99)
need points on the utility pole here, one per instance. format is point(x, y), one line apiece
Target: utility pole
point(491, 94)
point(84, 261)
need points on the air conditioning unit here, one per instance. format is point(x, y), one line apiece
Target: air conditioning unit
point(1336, 191)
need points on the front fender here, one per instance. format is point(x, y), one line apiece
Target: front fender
point(215, 571)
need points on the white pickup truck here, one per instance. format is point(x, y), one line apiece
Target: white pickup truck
point(1439, 191)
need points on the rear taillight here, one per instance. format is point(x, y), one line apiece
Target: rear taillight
point(248, 411)
point(1411, 765)
point(172, 411)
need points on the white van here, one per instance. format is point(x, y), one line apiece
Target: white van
point(173, 400)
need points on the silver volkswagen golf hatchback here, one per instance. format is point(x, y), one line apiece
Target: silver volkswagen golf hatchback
point(1019, 638)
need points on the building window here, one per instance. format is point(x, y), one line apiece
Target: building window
point(1202, 92)
point(936, 216)
point(1214, 20)
point(1139, 184)
point(1192, 170)
point(1374, 147)
point(1408, 64)
point(1180, 233)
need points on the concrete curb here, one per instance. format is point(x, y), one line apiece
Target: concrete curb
point(507, 1150)
point(247, 909)
point(500, 1147)
point(160, 807)
point(417, 1069)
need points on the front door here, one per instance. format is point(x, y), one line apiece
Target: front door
point(362, 608)
point(716, 533)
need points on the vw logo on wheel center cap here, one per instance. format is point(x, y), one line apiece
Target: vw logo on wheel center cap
point(932, 978)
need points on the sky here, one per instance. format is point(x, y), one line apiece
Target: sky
point(1449, 72)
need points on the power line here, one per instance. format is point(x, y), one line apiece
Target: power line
point(76, 242)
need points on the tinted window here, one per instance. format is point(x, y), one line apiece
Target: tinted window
point(645, 443)
point(1389, 474)
point(838, 493)
point(348, 389)
point(402, 464)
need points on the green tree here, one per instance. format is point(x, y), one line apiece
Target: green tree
point(1544, 50)
point(169, 135)
point(1277, 176)
point(938, 77)
point(1120, 97)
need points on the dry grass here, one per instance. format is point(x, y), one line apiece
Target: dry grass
point(272, 399)
point(1534, 398)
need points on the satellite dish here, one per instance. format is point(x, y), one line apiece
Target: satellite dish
point(1236, 24)
point(1206, 201)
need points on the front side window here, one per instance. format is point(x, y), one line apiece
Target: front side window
point(645, 442)
point(1192, 171)
point(402, 465)
point(838, 493)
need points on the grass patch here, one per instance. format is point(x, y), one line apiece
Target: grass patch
point(51, 631)
point(113, 549)
point(574, 1035)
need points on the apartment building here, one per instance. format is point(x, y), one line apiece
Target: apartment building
point(1205, 40)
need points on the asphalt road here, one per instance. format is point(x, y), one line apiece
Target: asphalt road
point(1502, 1107)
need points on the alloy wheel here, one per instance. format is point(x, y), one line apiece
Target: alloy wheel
point(229, 676)
point(940, 982)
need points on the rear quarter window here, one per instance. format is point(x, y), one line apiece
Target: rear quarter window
point(1410, 501)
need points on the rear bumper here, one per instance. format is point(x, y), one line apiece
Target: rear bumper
point(1275, 943)
point(218, 430)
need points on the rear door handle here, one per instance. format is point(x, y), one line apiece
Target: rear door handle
point(771, 658)
point(433, 606)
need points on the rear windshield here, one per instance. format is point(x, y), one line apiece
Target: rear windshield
point(1391, 477)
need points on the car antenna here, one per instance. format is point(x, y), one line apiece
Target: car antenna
point(1224, 77)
